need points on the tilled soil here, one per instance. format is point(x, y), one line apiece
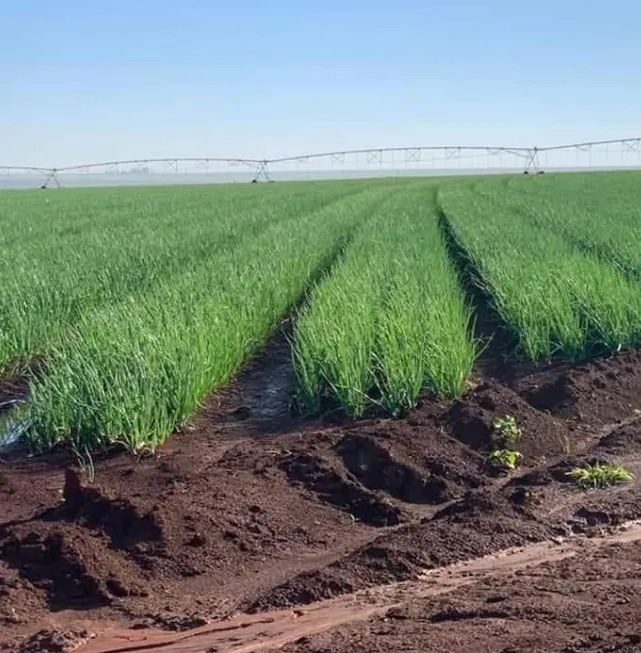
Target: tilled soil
point(249, 511)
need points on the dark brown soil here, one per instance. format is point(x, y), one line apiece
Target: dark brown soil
point(602, 391)
point(588, 602)
point(13, 390)
point(251, 509)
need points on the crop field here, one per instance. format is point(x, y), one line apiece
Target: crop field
point(134, 305)
point(232, 409)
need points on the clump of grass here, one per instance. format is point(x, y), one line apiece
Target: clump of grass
point(600, 475)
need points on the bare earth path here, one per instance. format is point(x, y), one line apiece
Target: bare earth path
point(394, 604)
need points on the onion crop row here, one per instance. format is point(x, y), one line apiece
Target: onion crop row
point(71, 252)
point(390, 321)
point(599, 213)
point(556, 298)
point(133, 372)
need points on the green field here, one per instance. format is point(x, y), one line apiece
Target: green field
point(127, 307)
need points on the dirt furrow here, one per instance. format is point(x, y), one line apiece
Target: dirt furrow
point(270, 631)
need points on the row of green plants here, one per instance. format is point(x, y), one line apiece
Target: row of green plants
point(132, 372)
point(597, 212)
point(390, 321)
point(72, 252)
point(555, 297)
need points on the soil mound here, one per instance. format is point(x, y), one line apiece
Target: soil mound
point(331, 484)
point(69, 551)
point(473, 527)
point(600, 391)
point(306, 588)
point(117, 518)
point(623, 440)
point(54, 641)
point(71, 567)
point(370, 566)
point(377, 466)
point(379, 471)
point(471, 419)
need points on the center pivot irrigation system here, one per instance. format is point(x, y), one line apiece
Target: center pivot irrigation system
point(442, 159)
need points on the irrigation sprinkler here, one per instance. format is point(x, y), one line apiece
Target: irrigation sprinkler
point(532, 161)
point(436, 159)
point(53, 177)
point(262, 169)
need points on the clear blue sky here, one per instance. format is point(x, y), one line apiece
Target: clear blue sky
point(84, 80)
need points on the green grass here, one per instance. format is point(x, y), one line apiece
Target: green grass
point(74, 251)
point(390, 321)
point(136, 303)
point(600, 475)
point(556, 297)
point(133, 371)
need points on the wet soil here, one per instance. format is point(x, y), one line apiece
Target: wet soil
point(254, 530)
point(259, 399)
point(13, 390)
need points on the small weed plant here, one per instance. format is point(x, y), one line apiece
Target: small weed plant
point(600, 475)
point(506, 429)
point(505, 434)
point(566, 445)
point(505, 459)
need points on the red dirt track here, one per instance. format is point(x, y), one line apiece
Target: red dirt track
point(250, 531)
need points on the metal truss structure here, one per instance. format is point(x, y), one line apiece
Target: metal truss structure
point(442, 159)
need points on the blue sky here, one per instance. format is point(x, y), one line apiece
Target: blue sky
point(82, 80)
